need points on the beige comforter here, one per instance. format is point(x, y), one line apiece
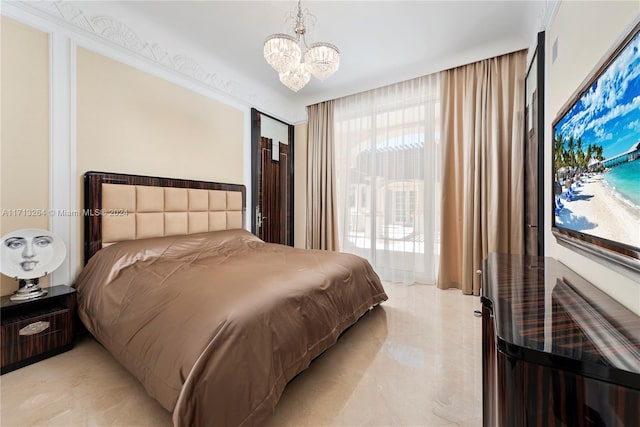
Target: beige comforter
point(215, 324)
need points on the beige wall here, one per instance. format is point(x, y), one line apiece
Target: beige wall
point(584, 31)
point(24, 134)
point(129, 121)
point(300, 186)
point(132, 122)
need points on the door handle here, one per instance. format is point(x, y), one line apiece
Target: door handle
point(258, 218)
point(532, 226)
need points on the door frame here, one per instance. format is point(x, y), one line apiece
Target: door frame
point(255, 185)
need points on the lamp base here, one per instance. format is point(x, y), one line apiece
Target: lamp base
point(28, 289)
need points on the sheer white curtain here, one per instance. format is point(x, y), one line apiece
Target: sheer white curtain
point(387, 158)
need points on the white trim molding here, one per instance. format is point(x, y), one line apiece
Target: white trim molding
point(62, 165)
point(109, 36)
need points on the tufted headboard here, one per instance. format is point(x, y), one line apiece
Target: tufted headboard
point(122, 207)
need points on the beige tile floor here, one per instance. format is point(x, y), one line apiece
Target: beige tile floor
point(414, 361)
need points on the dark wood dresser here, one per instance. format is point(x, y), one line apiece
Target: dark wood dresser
point(556, 350)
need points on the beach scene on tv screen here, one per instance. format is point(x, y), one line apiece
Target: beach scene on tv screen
point(597, 155)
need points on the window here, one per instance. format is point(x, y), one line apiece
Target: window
point(387, 158)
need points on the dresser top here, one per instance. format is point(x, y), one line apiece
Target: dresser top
point(546, 313)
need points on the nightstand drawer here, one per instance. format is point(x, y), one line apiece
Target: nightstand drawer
point(45, 331)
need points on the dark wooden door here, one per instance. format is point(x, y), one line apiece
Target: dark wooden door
point(272, 185)
point(531, 184)
point(534, 203)
point(273, 215)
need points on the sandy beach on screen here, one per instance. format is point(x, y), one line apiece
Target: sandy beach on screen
point(598, 211)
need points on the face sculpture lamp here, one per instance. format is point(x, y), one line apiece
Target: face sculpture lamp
point(28, 254)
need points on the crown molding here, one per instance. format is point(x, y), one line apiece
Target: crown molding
point(112, 31)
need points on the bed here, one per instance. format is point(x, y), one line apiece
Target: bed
point(210, 319)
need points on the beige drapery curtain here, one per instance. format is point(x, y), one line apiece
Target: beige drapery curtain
point(322, 227)
point(482, 183)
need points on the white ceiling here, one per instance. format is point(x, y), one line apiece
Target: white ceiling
point(381, 42)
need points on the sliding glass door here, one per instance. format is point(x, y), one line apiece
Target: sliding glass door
point(388, 159)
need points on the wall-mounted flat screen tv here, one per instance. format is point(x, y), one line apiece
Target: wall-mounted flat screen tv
point(596, 160)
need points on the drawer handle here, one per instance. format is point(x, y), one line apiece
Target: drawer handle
point(34, 328)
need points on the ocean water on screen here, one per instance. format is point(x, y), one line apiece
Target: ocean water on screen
point(625, 181)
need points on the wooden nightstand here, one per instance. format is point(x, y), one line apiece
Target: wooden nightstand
point(36, 329)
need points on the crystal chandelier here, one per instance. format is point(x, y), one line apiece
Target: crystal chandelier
point(284, 53)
